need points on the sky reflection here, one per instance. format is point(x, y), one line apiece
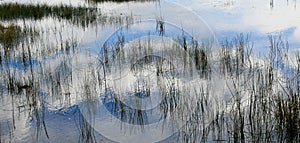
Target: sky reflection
point(230, 17)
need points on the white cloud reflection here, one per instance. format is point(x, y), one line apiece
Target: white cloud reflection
point(244, 16)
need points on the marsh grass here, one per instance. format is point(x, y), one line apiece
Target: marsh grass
point(264, 102)
point(25, 42)
point(253, 119)
point(81, 16)
point(10, 11)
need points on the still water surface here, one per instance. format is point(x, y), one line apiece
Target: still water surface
point(135, 95)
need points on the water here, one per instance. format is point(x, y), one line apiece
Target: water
point(154, 71)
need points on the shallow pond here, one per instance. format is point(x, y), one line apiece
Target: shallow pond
point(151, 71)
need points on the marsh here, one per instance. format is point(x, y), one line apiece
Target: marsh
point(149, 70)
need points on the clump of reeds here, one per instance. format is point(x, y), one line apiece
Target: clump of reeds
point(265, 103)
point(287, 107)
point(160, 26)
point(200, 56)
point(10, 35)
point(86, 130)
point(235, 55)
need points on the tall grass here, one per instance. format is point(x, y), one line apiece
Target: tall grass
point(10, 11)
point(262, 109)
point(263, 104)
point(82, 16)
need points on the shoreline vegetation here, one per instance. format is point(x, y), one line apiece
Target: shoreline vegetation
point(81, 15)
point(10, 11)
point(17, 31)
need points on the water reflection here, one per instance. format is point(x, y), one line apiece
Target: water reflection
point(156, 85)
point(253, 17)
